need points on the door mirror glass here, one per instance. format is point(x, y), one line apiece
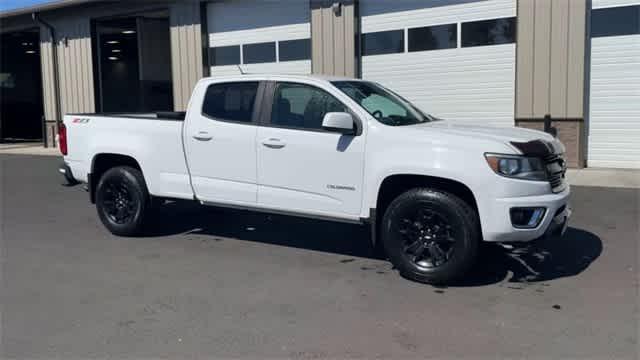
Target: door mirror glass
point(340, 122)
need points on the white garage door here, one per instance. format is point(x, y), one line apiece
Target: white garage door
point(614, 116)
point(454, 59)
point(260, 36)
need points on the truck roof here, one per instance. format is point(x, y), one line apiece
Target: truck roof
point(281, 77)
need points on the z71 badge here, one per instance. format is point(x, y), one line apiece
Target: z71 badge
point(80, 120)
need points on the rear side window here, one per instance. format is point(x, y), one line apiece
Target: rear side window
point(230, 101)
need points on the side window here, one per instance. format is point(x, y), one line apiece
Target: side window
point(302, 106)
point(230, 101)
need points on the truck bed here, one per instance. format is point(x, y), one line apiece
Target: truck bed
point(155, 144)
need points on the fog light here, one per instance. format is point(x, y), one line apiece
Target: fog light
point(526, 217)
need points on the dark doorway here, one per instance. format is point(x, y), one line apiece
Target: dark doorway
point(21, 107)
point(134, 63)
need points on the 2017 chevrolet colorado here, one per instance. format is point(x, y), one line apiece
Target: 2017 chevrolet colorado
point(333, 148)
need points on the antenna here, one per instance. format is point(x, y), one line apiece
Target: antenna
point(240, 68)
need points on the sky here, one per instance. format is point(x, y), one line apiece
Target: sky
point(17, 4)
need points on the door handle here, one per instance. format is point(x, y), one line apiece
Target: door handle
point(273, 143)
point(202, 136)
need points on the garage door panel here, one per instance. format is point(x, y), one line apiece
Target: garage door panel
point(287, 32)
point(614, 97)
point(473, 84)
point(379, 15)
point(242, 23)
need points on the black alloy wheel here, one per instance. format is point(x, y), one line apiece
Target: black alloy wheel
point(429, 239)
point(430, 235)
point(118, 203)
point(123, 201)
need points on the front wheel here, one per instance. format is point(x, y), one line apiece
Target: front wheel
point(122, 200)
point(430, 236)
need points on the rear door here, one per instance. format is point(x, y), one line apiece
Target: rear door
point(220, 143)
point(302, 167)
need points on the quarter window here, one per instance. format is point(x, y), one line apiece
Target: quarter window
point(489, 32)
point(302, 106)
point(383, 42)
point(230, 101)
point(259, 53)
point(290, 50)
point(433, 37)
point(225, 55)
point(616, 21)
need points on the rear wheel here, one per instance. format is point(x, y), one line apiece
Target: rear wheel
point(430, 235)
point(122, 200)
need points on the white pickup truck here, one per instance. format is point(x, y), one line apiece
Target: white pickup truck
point(332, 148)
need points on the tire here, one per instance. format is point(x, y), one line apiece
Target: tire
point(430, 236)
point(123, 201)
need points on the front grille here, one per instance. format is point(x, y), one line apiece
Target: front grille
point(556, 169)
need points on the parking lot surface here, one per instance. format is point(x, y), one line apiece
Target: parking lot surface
point(208, 283)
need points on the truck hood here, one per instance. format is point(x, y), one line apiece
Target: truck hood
point(504, 135)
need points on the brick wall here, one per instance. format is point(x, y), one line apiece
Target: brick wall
point(570, 132)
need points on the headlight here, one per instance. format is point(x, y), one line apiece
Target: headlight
point(519, 167)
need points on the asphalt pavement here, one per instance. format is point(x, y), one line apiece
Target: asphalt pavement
point(211, 283)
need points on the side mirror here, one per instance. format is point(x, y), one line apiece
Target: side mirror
point(340, 122)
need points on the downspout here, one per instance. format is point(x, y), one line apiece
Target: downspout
point(56, 79)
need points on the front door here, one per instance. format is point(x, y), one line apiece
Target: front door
point(302, 167)
point(220, 143)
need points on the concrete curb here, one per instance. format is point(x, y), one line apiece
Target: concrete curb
point(619, 178)
point(28, 150)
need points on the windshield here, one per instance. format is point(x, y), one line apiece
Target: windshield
point(384, 105)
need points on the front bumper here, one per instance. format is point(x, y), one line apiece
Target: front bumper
point(560, 222)
point(555, 221)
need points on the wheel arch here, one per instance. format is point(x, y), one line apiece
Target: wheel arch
point(104, 161)
point(395, 184)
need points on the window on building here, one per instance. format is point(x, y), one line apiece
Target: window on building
point(290, 50)
point(489, 32)
point(225, 55)
point(259, 53)
point(383, 42)
point(616, 21)
point(433, 37)
point(230, 101)
point(302, 106)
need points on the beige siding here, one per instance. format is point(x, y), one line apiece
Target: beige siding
point(46, 61)
point(541, 56)
point(75, 68)
point(75, 59)
point(75, 65)
point(558, 70)
point(186, 51)
point(333, 40)
point(524, 51)
point(576, 59)
point(550, 58)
